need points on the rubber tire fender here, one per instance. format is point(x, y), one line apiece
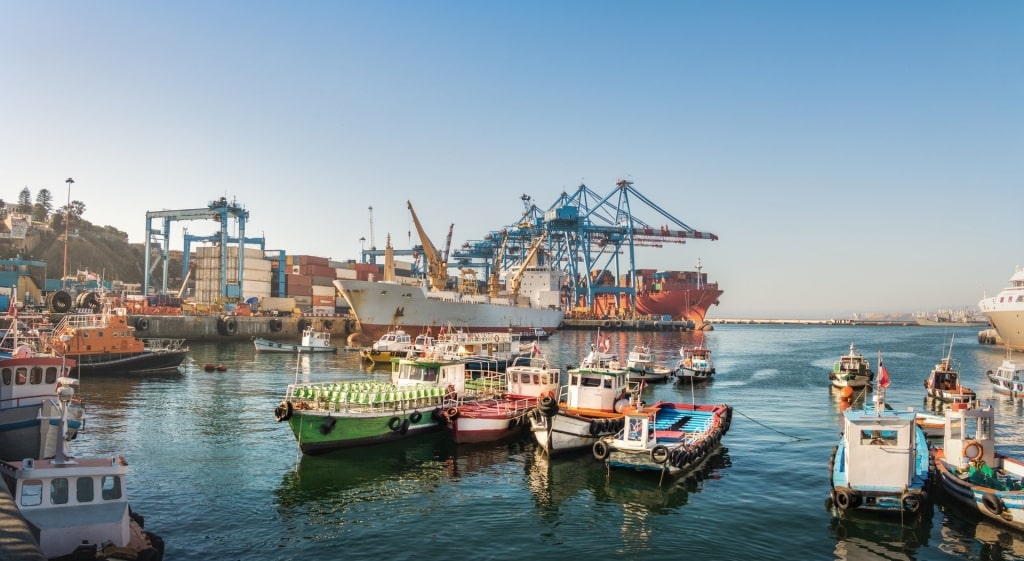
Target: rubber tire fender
point(992, 503)
point(659, 454)
point(601, 450)
point(283, 411)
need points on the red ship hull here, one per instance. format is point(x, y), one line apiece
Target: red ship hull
point(681, 295)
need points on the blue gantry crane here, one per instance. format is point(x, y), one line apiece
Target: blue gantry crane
point(219, 211)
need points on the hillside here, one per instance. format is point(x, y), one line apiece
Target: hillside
point(104, 250)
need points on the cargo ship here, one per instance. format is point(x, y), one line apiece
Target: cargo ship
point(1006, 311)
point(666, 295)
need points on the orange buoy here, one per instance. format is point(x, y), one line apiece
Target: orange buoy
point(846, 393)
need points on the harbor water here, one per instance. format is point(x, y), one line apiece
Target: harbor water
point(217, 477)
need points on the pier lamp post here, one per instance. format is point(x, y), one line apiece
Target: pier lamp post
point(362, 243)
point(67, 220)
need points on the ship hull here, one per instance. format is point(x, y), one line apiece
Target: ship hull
point(1009, 324)
point(139, 363)
point(379, 306)
point(682, 305)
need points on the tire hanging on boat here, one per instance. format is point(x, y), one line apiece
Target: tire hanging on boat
point(328, 425)
point(600, 450)
point(659, 454)
point(992, 503)
point(415, 416)
point(283, 411)
point(394, 423)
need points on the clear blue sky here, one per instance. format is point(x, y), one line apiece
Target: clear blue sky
point(852, 156)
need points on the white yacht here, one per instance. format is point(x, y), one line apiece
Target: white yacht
point(1006, 311)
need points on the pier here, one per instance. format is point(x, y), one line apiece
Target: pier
point(16, 540)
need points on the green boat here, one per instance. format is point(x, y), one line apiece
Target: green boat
point(337, 415)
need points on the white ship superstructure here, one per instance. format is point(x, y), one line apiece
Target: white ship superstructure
point(1006, 311)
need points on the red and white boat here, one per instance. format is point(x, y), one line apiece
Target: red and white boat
point(487, 419)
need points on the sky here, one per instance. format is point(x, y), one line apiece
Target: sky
point(852, 157)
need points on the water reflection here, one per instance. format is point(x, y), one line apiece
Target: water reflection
point(861, 536)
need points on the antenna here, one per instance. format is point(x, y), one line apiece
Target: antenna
point(372, 244)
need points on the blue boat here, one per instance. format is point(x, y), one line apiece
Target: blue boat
point(881, 463)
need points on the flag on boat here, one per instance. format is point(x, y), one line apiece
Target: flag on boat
point(536, 349)
point(883, 374)
point(606, 344)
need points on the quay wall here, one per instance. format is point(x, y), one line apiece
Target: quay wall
point(18, 543)
point(239, 328)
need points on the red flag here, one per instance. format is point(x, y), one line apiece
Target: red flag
point(536, 349)
point(606, 344)
point(883, 375)
point(12, 310)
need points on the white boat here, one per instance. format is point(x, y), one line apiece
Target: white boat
point(1008, 378)
point(881, 461)
point(312, 342)
point(589, 406)
point(30, 410)
point(394, 343)
point(973, 473)
point(486, 419)
point(695, 365)
point(851, 371)
point(641, 365)
point(1005, 311)
point(531, 300)
point(78, 507)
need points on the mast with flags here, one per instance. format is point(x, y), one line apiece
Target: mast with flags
point(881, 382)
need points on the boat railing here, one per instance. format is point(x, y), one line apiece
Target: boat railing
point(367, 398)
point(163, 344)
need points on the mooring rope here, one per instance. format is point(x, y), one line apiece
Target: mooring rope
point(797, 438)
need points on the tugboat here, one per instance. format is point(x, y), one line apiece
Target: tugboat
point(943, 383)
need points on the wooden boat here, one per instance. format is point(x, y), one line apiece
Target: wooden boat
point(640, 365)
point(943, 383)
point(30, 411)
point(312, 342)
point(973, 473)
point(1008, 379)
point(481, 350)
point(333, 416)
point(485, 419)
point(104, 343)
point(77, 508)
point(851, 371)
point(669, 438)
point(695, 365)
point(587, 408)
point(881, 461)
point(393, 344)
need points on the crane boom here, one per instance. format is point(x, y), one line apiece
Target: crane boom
point(492, 283)
point(437, 268)
point(513, 283)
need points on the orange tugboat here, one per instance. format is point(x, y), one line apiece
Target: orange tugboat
point(104, 343)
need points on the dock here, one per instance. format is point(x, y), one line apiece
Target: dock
point(16, 538)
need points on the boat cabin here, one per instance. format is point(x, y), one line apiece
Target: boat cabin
point(430, 370)
point(967, 429)
point(397, 340)
point(26, 380)
point(881, 449)
point(596, 388)
point(638, 432)
point(531, 376)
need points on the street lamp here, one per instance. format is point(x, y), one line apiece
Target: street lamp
point(362, 241)
point(67, 220)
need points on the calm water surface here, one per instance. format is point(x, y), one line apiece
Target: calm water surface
point(218, 478)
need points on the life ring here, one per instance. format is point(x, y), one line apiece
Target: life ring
point(452, 413)
point(415, 416)
point(142, 324)
point(965, 452)
point(275, 325)
point(496, 338)
point(993, 503)
point(283, 411)
point(601, 450)
point(328, 324)
point(546, 401)
point(394, 423)
point(659, 454)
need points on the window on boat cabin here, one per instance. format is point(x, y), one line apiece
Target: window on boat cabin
point(51, 375)
point(608, 383)
point(84, 492)
point(32, 492)
point(574, 380)
point(7, 376)
point(20, 376)
point(430, 375)
point(59, 491)
point(591, 382)
point(878, 437)
point(636, 428)
point(35, 376)
point(111, 487)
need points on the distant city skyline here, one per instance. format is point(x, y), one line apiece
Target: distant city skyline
point(851, 157)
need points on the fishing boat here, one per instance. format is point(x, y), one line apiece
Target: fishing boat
point(530, 334)
point(881, 461)
point(492, 351)
point(973, 473)
point(943, 383)
point(103, 343)
point(30, 411)
point(395, 343)
point(587, 408)
point(484, 419)
point(640, 365)
point(668, 438)
point(1008, 378)
point(851, 371)
point(335, 415)
point(312, 342)
point(77, 508)
point(531, 298)
point(695, 365)
point(1005, 311)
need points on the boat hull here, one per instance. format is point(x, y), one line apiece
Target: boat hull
point(32, 431)
point(1009, 324)
point(268, 346)
point(569, 430)
point(379, 306)
point(695, 376)
point(138, 363)
point(316, 434)
point(1004, 507)
point(487, 423)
